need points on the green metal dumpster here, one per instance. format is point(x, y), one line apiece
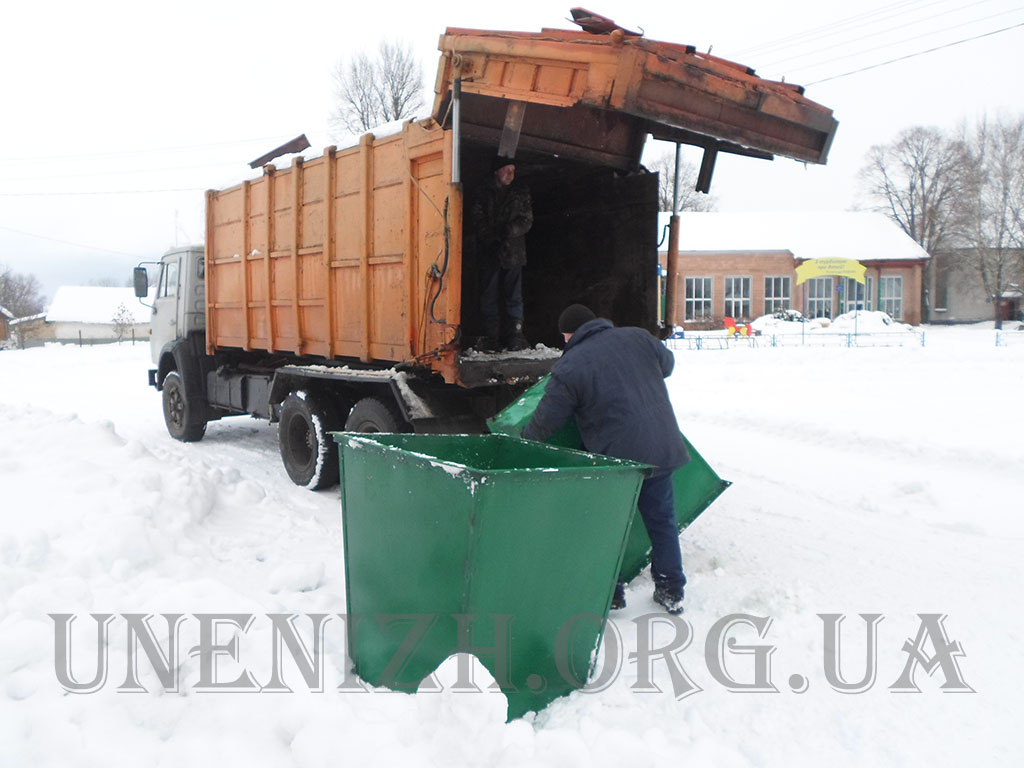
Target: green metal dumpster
point(695, 486)
point(486, 544)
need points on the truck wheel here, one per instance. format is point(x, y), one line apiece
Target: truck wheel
point(185, 421)
point(372, 414)
point(309, 453)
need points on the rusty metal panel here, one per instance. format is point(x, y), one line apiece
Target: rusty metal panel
point(284, 213)
point(387, 309)
point(347, 209)
point(601, 137)
point(313, 208)
point(664, 83)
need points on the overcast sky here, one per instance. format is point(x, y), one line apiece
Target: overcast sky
point(117, 115)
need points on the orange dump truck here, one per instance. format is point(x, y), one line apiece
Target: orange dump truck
point(341, 291)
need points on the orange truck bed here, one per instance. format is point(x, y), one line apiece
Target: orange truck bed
point(331, 257)
point(359, 254)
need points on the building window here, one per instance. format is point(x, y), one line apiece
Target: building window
point(869, 288)
point(890, 295)
point(737, 298)
point(851, 295)
point(942, 275)
point(698, 299)
point(776, 294)
point(819, 297)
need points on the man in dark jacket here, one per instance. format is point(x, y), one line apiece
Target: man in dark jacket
point(613, 381)
point(502, 215)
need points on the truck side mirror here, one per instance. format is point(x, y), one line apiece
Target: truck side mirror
point(141, 277)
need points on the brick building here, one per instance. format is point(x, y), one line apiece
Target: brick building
point(6, 316)
point(743, 265)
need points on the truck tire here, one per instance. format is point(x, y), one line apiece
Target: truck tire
point(309, 453)
point(371, 414)
point(186, 420)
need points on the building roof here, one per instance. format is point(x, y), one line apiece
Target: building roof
point(28, 319)
point(92, 304)
point(6, 312)
point(859, 235)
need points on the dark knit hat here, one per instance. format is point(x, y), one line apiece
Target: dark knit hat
point(500, 161)
point(573, 317)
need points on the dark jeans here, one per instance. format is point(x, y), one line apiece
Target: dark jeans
point(657, 508)
point(501, 288)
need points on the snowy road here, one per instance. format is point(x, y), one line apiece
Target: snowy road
point(866, 481)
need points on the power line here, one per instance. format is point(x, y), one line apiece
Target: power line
point(125, 172)
point(919, 53)
point(107, 192)
point(837, 26)
point(878, 33)
point(129, 152)
point(68, 242)
point(862, 51)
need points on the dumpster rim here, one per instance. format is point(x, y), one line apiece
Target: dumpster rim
point(365, 440)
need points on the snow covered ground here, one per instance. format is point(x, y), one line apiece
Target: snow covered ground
point(866, 481)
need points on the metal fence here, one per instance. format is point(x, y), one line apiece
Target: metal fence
point(1010, 338)
point(702, 341)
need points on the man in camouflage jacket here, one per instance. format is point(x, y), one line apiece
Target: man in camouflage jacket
point(502, 214)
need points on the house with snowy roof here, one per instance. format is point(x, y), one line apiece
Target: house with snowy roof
point(743, 265)
point(6, 317)
point(88, 315)
point(959, 295)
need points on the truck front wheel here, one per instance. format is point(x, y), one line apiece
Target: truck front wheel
point(185, 421)
point(309, 453)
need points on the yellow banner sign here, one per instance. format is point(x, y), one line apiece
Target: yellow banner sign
point(830, 268)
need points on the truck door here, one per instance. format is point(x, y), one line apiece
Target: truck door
point(165, 305)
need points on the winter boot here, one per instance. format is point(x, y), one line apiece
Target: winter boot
point(487, 344)
point(619, 598)
point(669, 597)
point(516, 341)
point(489, 341)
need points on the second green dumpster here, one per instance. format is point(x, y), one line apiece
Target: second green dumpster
point(695, 486)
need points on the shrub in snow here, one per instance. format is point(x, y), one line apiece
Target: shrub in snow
point(789, 315)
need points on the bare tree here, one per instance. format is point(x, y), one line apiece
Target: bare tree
point(372, 91)
point(918, 180)
point(994, 207)
point(20, 294)
point(689, 198)
point(123, 322)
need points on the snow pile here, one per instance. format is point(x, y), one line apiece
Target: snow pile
point(857, 489)
point(768, 324)
point(860, 321)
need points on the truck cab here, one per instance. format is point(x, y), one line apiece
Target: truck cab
point(178, 340)
point(179, 304)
